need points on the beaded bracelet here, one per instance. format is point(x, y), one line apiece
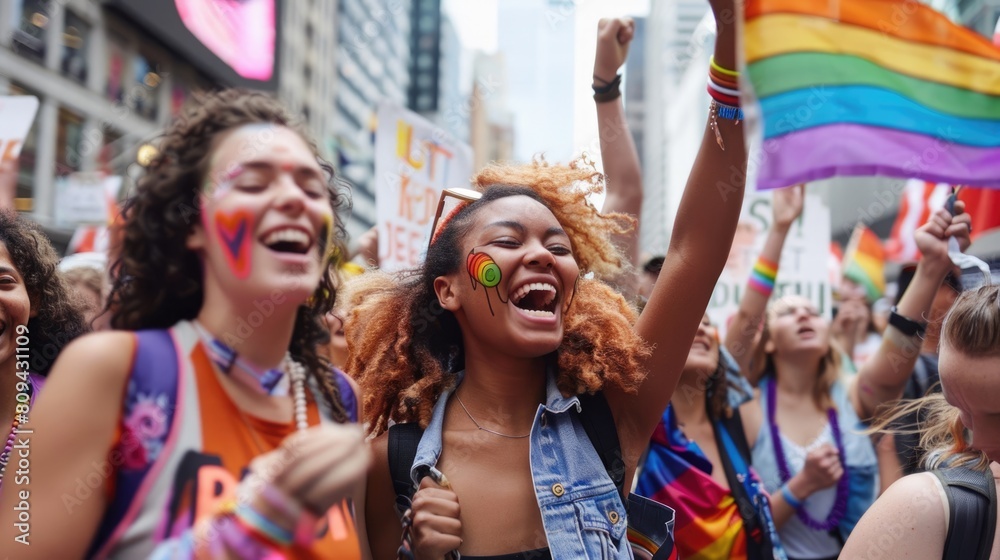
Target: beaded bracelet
point(726, 112)
point(763, 275)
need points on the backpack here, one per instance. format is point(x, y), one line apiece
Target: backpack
point(132, 486)
point(650, 524)
point(972, 512)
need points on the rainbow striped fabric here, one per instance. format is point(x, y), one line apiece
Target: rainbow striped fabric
point(864, 262)
point(676, 472)
point(869, 87)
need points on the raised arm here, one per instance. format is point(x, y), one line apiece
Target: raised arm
point(702, 235)
point(884, 376)
point(786, 207)
point(618, 152)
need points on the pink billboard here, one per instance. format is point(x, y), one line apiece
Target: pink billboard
point(240, 32)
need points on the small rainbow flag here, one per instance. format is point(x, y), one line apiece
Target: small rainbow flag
point(869, 87)
point(864, 262)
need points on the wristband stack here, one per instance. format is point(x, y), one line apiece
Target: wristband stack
point(248, 533)
point(723, 86)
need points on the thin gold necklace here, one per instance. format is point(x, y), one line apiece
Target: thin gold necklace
point(478, 425)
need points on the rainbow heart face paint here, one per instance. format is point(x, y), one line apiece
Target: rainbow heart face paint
point(235, 229)
point(484, 270)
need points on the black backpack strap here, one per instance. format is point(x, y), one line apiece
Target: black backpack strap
point(598, 422)
point(756, 535)
point(734, 425)
point(403, 442)
point(972, 512)
point(649, 520)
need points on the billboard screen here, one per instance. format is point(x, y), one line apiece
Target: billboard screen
point(234, 42)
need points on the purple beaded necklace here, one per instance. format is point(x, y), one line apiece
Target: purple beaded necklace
point(843, 485)
point(8, 448)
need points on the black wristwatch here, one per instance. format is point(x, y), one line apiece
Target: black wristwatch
point(905, 325)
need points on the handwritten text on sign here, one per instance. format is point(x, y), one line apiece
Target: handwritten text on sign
point(803, 267)
point(414, 162)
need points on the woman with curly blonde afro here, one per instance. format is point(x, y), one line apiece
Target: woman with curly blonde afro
point(494, 352)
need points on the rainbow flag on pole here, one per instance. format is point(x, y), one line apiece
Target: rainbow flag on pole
point(864, 262)
point(869, 87)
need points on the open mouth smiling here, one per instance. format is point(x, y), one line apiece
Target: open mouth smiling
point(288, 240)
point(537, 299)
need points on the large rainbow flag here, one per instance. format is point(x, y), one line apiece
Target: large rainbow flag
point(869, 87)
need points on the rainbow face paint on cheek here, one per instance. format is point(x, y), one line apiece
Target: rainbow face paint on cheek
point(484, 270)
point(235, 230)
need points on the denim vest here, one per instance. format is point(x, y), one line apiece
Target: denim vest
point(582, 511)
point(861, 461)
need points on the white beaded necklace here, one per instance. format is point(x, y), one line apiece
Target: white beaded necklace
point(297, 374)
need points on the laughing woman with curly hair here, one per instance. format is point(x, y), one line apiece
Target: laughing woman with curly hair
point(208, 426)
point(500, 347)
point(37, 314)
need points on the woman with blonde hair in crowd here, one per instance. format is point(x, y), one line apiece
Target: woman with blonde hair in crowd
point(811, 451)
point(915, 517)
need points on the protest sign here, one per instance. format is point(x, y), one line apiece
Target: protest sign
point(86, 198)
point(16, 115)
point(414, 162)
point(804, 259)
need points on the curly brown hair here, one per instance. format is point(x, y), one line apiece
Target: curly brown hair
point(405, 349)
point(157, 280)
point(58, 319)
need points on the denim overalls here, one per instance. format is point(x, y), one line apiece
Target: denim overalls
point(582, 511)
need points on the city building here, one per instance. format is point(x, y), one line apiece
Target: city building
point(979, 15)
point(108, 76)
point(452, 114)
point(372, 57)
point(425, 56)
point(491, 122)
point(634, 88)
point(652, 237)
point(536, 37)
point(308, 81)
point(675, 34)
point(436, 91)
